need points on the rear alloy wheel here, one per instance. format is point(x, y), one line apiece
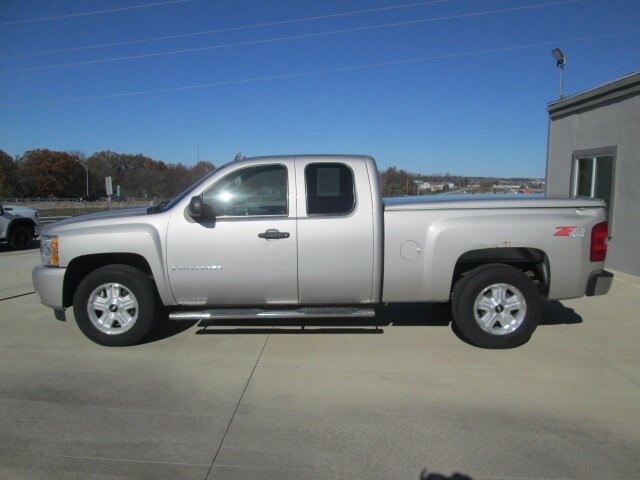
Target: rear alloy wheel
point(496, 306)
point(115, 305)
point(500, 309)
point(21, 237)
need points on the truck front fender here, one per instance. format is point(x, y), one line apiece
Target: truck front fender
point(128, 243)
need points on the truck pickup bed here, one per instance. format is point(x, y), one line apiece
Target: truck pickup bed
point(302, 236)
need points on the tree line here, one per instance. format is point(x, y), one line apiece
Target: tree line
point(48, 173)
point(58, 174)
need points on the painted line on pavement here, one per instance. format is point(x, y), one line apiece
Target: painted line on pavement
point(17, 296)
point(210, 473)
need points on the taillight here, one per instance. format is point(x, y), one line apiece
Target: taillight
point(599, 236)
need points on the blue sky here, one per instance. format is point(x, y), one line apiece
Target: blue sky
point(450, 89)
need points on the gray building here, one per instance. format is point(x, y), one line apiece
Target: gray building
point(594, 150)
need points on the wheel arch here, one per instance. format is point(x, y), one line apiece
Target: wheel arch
point(82, 266)
point(531, 261)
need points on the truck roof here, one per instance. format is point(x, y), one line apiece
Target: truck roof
point(318, 156)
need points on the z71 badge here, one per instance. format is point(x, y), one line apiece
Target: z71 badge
point(573, 232)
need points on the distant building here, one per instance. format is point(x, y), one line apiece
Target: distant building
point(594, 151)
point(503, 188)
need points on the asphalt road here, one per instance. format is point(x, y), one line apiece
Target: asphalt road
point(235, 401)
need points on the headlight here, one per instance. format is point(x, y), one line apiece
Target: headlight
point(49, 250)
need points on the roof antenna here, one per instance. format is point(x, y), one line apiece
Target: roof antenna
point(238, 157)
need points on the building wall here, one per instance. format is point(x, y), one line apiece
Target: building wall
point(612, 124)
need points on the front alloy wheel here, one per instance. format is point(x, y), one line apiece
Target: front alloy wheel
point(112, 308)
point(115, 305)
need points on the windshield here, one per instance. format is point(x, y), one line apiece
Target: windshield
point(164, 206)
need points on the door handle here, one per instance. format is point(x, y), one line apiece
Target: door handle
point(273, 234)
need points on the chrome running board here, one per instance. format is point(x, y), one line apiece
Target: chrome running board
point(254, 313)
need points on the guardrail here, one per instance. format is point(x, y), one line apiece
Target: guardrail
point(51, 200)
point(51, 210)
point(47, 220)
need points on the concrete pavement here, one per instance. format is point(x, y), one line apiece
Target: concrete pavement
point(247, 401)
point(15, 270)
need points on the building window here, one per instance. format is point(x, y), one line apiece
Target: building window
point(330, 189)
point(593, 177)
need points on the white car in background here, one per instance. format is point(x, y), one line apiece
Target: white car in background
point(18, 226)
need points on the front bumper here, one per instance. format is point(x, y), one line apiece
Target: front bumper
point(48, 282)
point(599, 283)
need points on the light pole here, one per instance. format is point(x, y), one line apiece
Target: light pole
point(561, 61)
point(86, 168)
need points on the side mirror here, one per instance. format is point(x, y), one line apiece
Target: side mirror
point(196, 207)
point(199, 211)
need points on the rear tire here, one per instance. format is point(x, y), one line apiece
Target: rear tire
point(21, 237)
point(115, 306)
point(496, 306)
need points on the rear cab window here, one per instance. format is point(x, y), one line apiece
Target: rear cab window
point(330, 189)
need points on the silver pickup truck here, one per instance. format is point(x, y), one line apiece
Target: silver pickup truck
point(311, 237)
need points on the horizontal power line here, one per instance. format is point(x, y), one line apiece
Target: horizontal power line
point(291, 37)
point(320, 71)
point(95, 12)
point(229, 29)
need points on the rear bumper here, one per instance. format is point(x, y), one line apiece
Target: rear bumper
point(48, 282)
point(599, 283)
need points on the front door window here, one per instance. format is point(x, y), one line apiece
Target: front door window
point(252, 191)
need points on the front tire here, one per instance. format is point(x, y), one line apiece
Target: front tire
point(496, 306)
point(115, 306)
point(21, 237)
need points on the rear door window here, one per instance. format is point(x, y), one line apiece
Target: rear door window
point(330, 189)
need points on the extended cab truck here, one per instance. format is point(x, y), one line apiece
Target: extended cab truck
point(18, 226)
point(310, 236)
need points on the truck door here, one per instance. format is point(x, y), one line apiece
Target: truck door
point(335, 232)
point(248, 255)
